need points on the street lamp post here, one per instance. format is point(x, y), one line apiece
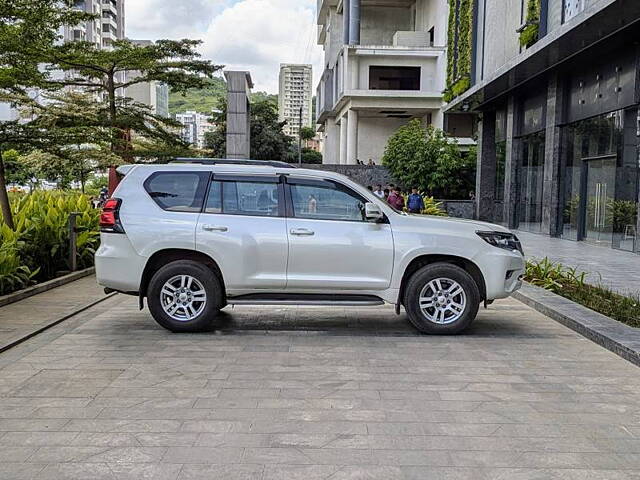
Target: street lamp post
point(300, 139)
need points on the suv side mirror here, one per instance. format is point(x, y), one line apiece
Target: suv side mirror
point(372, 212)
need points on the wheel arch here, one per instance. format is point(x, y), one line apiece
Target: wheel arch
point(422, 260)
point(166, 256)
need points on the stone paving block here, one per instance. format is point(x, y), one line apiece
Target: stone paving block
point(362, 396)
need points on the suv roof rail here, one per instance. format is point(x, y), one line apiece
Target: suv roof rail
point(229, 161)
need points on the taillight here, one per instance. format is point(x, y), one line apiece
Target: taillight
point(110, 217)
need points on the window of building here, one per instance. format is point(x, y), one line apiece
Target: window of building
point(327, 201)
point(177, 191)
point(394, 78)
point(600, 181)
point(571, 8)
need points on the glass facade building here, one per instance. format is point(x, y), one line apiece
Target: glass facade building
point(559, 123)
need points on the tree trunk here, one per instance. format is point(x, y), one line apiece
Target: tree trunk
point(7, 217)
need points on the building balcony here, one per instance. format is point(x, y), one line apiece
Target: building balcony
point(382, 76)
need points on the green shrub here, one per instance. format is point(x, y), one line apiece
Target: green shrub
point(38, 248)
point(529, 34)
point(570, 283)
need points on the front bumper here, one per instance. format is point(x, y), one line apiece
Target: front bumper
point(503, 271)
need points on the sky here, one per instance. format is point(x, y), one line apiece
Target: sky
point(254, 35)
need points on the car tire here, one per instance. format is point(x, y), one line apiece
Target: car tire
point(441, 299)
point(176, 299)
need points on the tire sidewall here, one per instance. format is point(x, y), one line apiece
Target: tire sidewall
point(204, 275)
point(441, 270)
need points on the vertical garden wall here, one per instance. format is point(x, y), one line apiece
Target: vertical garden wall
point(460, 41)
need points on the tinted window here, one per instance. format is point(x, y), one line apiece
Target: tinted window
point(327, 202)
point(214, 200)
point(249, 198)
point(177, 191)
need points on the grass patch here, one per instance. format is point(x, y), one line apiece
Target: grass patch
point(570, 283)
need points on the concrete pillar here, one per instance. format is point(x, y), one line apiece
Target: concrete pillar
point(551, 207)
point(343, 140)
point(238, 114)
point(512, 164)
point(486, 167)
point(345, 21)
point(354, 22)
point(637, 152)
point(352, 137)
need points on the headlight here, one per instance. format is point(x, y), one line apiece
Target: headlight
point(506, 241)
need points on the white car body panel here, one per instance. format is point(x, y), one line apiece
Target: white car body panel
point(340, 258)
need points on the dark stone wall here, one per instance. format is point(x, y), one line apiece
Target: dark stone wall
point(458, 208)
point(363, 174)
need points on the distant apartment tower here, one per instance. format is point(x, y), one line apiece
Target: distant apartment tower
point(385, 64)
point(194, 127)
point(104, 30)
point(295, 94)
point(153, 94)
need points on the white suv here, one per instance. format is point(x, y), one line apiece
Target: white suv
point(195, 236)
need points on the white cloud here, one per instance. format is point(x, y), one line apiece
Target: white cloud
point(154, 19)
point(254, 35)
point(258, 35)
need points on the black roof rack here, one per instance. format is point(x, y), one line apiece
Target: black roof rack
point(229, 161)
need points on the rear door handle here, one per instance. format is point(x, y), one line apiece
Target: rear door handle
point(215, 228)
point(302, 232)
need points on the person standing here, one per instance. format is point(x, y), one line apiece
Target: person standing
point(415, 203)
point(396, 200)
point(378, 192)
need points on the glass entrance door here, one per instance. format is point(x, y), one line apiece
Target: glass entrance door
point(600, 194)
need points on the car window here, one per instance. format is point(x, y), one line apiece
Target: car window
point(327, 202)
point(177, 191)
point(247, 198)
point(214, 200)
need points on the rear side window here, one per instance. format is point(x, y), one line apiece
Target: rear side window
point(259, 199)
point(178, 191)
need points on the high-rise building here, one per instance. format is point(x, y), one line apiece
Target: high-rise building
point(556, 91)
point(109, 25)
point(194, 127)
point(385, 63)
point(102, 31)
point(153, 94)
point(295, 94)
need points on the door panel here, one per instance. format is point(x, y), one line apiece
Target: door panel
point(243, 230)
point(331, 246)
point(601, 187)
point(331, 255)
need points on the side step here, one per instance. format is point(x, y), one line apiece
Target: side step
point(306, 299)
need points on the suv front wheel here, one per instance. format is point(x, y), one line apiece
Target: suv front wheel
point(441, 299)
point(184, 296)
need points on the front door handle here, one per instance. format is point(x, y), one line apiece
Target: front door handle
point(302, 232)
point(215, 228)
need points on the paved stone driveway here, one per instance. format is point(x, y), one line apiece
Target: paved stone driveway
point(109, 395)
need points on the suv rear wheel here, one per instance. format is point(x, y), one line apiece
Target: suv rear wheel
point(184, 296)
point(441, 299)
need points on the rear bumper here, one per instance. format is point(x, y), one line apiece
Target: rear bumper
point(118, 265)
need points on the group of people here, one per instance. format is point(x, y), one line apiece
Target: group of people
point(395, 197)
point(370, 163)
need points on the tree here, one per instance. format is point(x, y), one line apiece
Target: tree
point(268, 141)
point(423, 157)
point(28, 30)
point(307, 133)
point(104, 73)
point(16, 169)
